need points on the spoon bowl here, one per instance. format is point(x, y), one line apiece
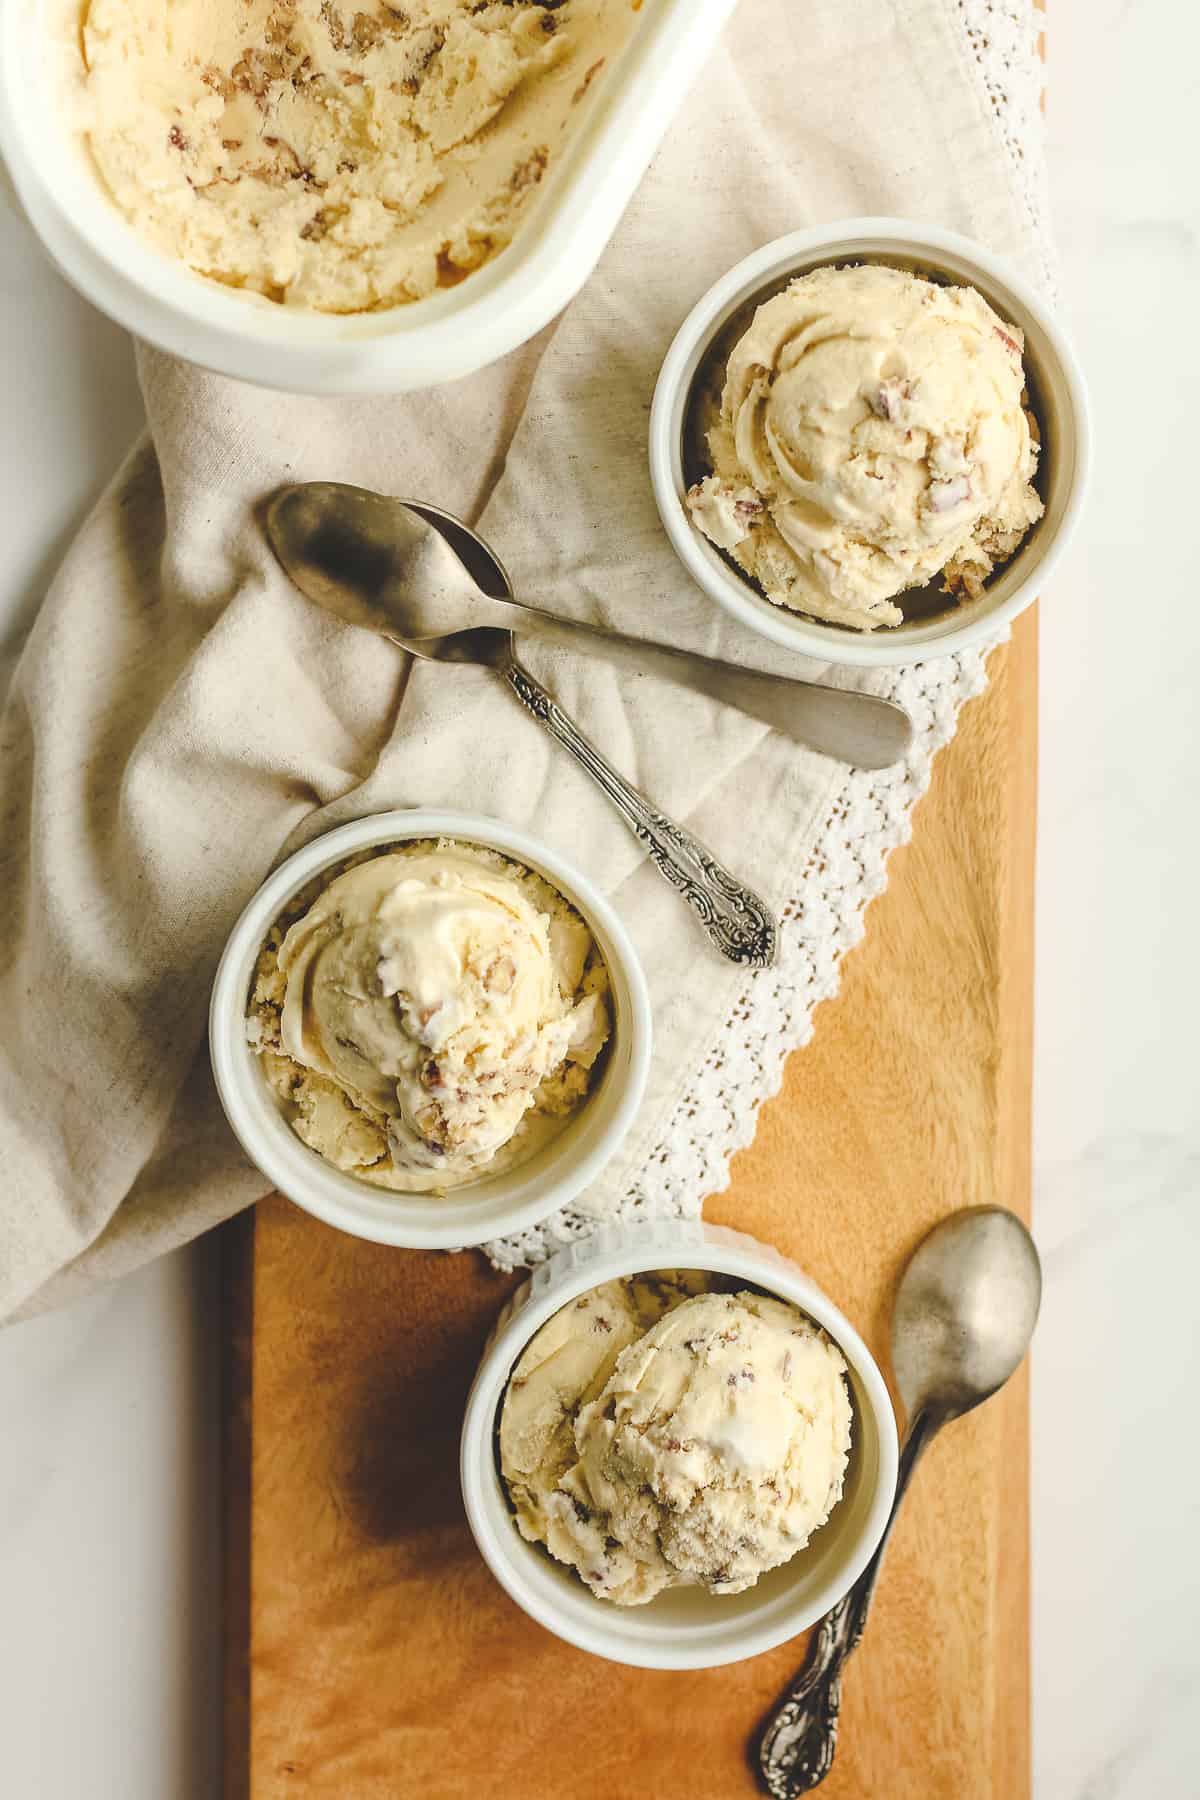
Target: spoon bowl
point(375, 562)
point(964, 1311)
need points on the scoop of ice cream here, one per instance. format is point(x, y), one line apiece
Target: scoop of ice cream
point(433, 999)
point(565, 1365)
point(871, 435)
point(678, 1437)
point(336, 156)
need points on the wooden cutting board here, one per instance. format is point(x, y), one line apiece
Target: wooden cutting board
point(371, 1656)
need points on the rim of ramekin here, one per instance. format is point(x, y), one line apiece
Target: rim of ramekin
point(887, 237)
point(443, 337)
point(424, 1221)
point(595, 1625)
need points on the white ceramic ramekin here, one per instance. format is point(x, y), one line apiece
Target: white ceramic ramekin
point(494, 1205)
point(448, 335)
point(1059, 400)
point(685, 1628)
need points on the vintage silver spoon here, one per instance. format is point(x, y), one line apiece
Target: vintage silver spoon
point(742, 926)
point(375, 561)
point(964, 1313)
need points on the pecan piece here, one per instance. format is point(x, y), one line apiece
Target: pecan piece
point(219, 82)
point(432, 1126)
point(888, 398)
point(254, 72)
point(530, 172)
point(944, 496)
point(589, 76)
point(411, 83)
point(501, 975)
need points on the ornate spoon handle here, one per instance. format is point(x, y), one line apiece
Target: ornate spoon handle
point(800, 1738)
point(737, 921)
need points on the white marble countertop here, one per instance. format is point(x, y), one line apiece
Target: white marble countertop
point(108, 1411)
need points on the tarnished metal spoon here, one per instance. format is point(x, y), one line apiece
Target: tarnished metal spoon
point(324, 566)
point(376, 561)
point(964, 1313)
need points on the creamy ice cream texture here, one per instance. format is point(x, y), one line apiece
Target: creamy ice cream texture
point(339, 155)
point(660, 1433)
point(432, 1014)
point(871, 434)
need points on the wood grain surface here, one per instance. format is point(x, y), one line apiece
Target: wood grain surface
point(372, 1656)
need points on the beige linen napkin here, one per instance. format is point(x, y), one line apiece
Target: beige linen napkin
point(181, 717)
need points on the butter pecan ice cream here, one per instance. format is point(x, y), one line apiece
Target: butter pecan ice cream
point(339, 155)
point(872, 434)
point(429, 1014)
point(659, 1432)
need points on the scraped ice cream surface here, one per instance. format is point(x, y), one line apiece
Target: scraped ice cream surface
point(870, 434)
point(429, 1014)
point(337, 155)
point(660, 1432)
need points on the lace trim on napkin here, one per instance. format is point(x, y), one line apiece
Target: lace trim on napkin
point(1006, 39)
point(872, 814)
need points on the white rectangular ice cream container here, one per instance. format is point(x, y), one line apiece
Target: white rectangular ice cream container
point(448, 335)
